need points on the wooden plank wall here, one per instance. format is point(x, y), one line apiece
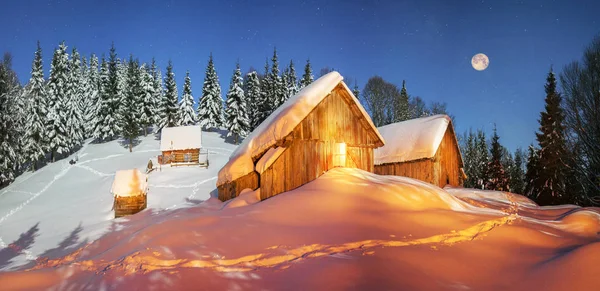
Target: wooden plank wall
point(448, 156)
point(310, 153)
point(422, 169)
point(232, 189)
point(442, 169)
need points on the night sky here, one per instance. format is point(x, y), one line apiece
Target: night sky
point(428, 43)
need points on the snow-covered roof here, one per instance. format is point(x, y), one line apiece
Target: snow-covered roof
point(268, 159)
point(281, 123)
point(181, 138)
point(412, 139)
point(129, 183)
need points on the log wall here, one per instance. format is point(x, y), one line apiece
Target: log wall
point(232, 189)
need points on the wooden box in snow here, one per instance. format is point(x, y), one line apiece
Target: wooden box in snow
point(129, 189)
point(322, 127)
point(424, 148)
point(181, 145)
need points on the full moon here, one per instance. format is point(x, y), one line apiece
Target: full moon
point(480, 62)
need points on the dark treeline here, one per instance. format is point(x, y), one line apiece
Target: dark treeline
point(563, 166)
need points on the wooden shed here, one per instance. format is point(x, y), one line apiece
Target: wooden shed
point(180, 144)
point(322, 127)
point(423, 148)
point(129, 189)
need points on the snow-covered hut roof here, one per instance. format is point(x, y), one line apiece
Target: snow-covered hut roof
point(412, 140)
point(181, 138)
point(281, 123)
point(129, 183)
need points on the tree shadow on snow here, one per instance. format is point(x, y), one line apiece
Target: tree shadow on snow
point(68, 245)
point(134, 143)
point(228, 139)
point(19, 246)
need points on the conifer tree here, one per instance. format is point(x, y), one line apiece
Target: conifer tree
point(292, 81)
point(236, 114)
point(92, 104)
point(254, 97)
point(147, 110)
point(187, 116)
point(552, 169)
point(122, 90)
point(497, 179)
point(356, 91)
point(9, 87)
point(531, 175)
point(481, 159)
point(73, 117)
point(130, 106)
point(105, 123)
point(517, 174)
point(307, 77)
point(158, 93)
point(470, 156)
point(35, 128)
point(57, 102)
point(113, 91)
point(85, 101)
point(170, 98)
point(210, 109)
point(265, 105)
point(401, 105)
point(277, 95)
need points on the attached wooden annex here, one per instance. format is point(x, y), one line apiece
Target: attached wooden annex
point(180, 144)
point(423, 148)
point(322, 127)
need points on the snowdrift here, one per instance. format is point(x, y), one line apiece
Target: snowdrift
point(347, 230)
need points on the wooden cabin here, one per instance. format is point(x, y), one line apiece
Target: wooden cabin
point(129, 189)
point(322, 127)
point(424, 148)
point(180, 145)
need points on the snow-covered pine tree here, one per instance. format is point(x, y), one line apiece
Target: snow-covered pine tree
point(402, 112)
point(187, 115)
point(253, 98)
point(92, 100)
point(497, 178)
point(57, 102)
point(470, 155)
point(73, 117)
point(481, 159)
point(37, 110)
point(284, 85)
point(265, 107)
point(84, 93)
point(356, 91)
point(307, 77)
point(170, 98)
point(553, 169)
point(122, 91)
point(147, 109)
point(158, 93)
point(9, 143)
point(277, 95)
point(114, 91)
point(210, 109)
point(517, 175)
point(531, 175)
point(292, 80)
point(106, 126)
point(237, 121)
point(130, 113)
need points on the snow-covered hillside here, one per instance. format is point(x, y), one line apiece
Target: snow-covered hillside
point(59, 207)
point(347, 230)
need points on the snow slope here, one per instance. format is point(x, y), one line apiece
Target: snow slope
point(346, 230)
point(60, 207)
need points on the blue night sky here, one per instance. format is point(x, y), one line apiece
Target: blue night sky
point(428, 43)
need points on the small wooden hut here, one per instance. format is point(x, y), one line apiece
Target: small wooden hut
point(129, 189)
point(423, 148)
point(180, 145)
point(322, 127)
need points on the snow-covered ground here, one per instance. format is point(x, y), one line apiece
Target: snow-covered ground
point(347, 230)
point(61, 206)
